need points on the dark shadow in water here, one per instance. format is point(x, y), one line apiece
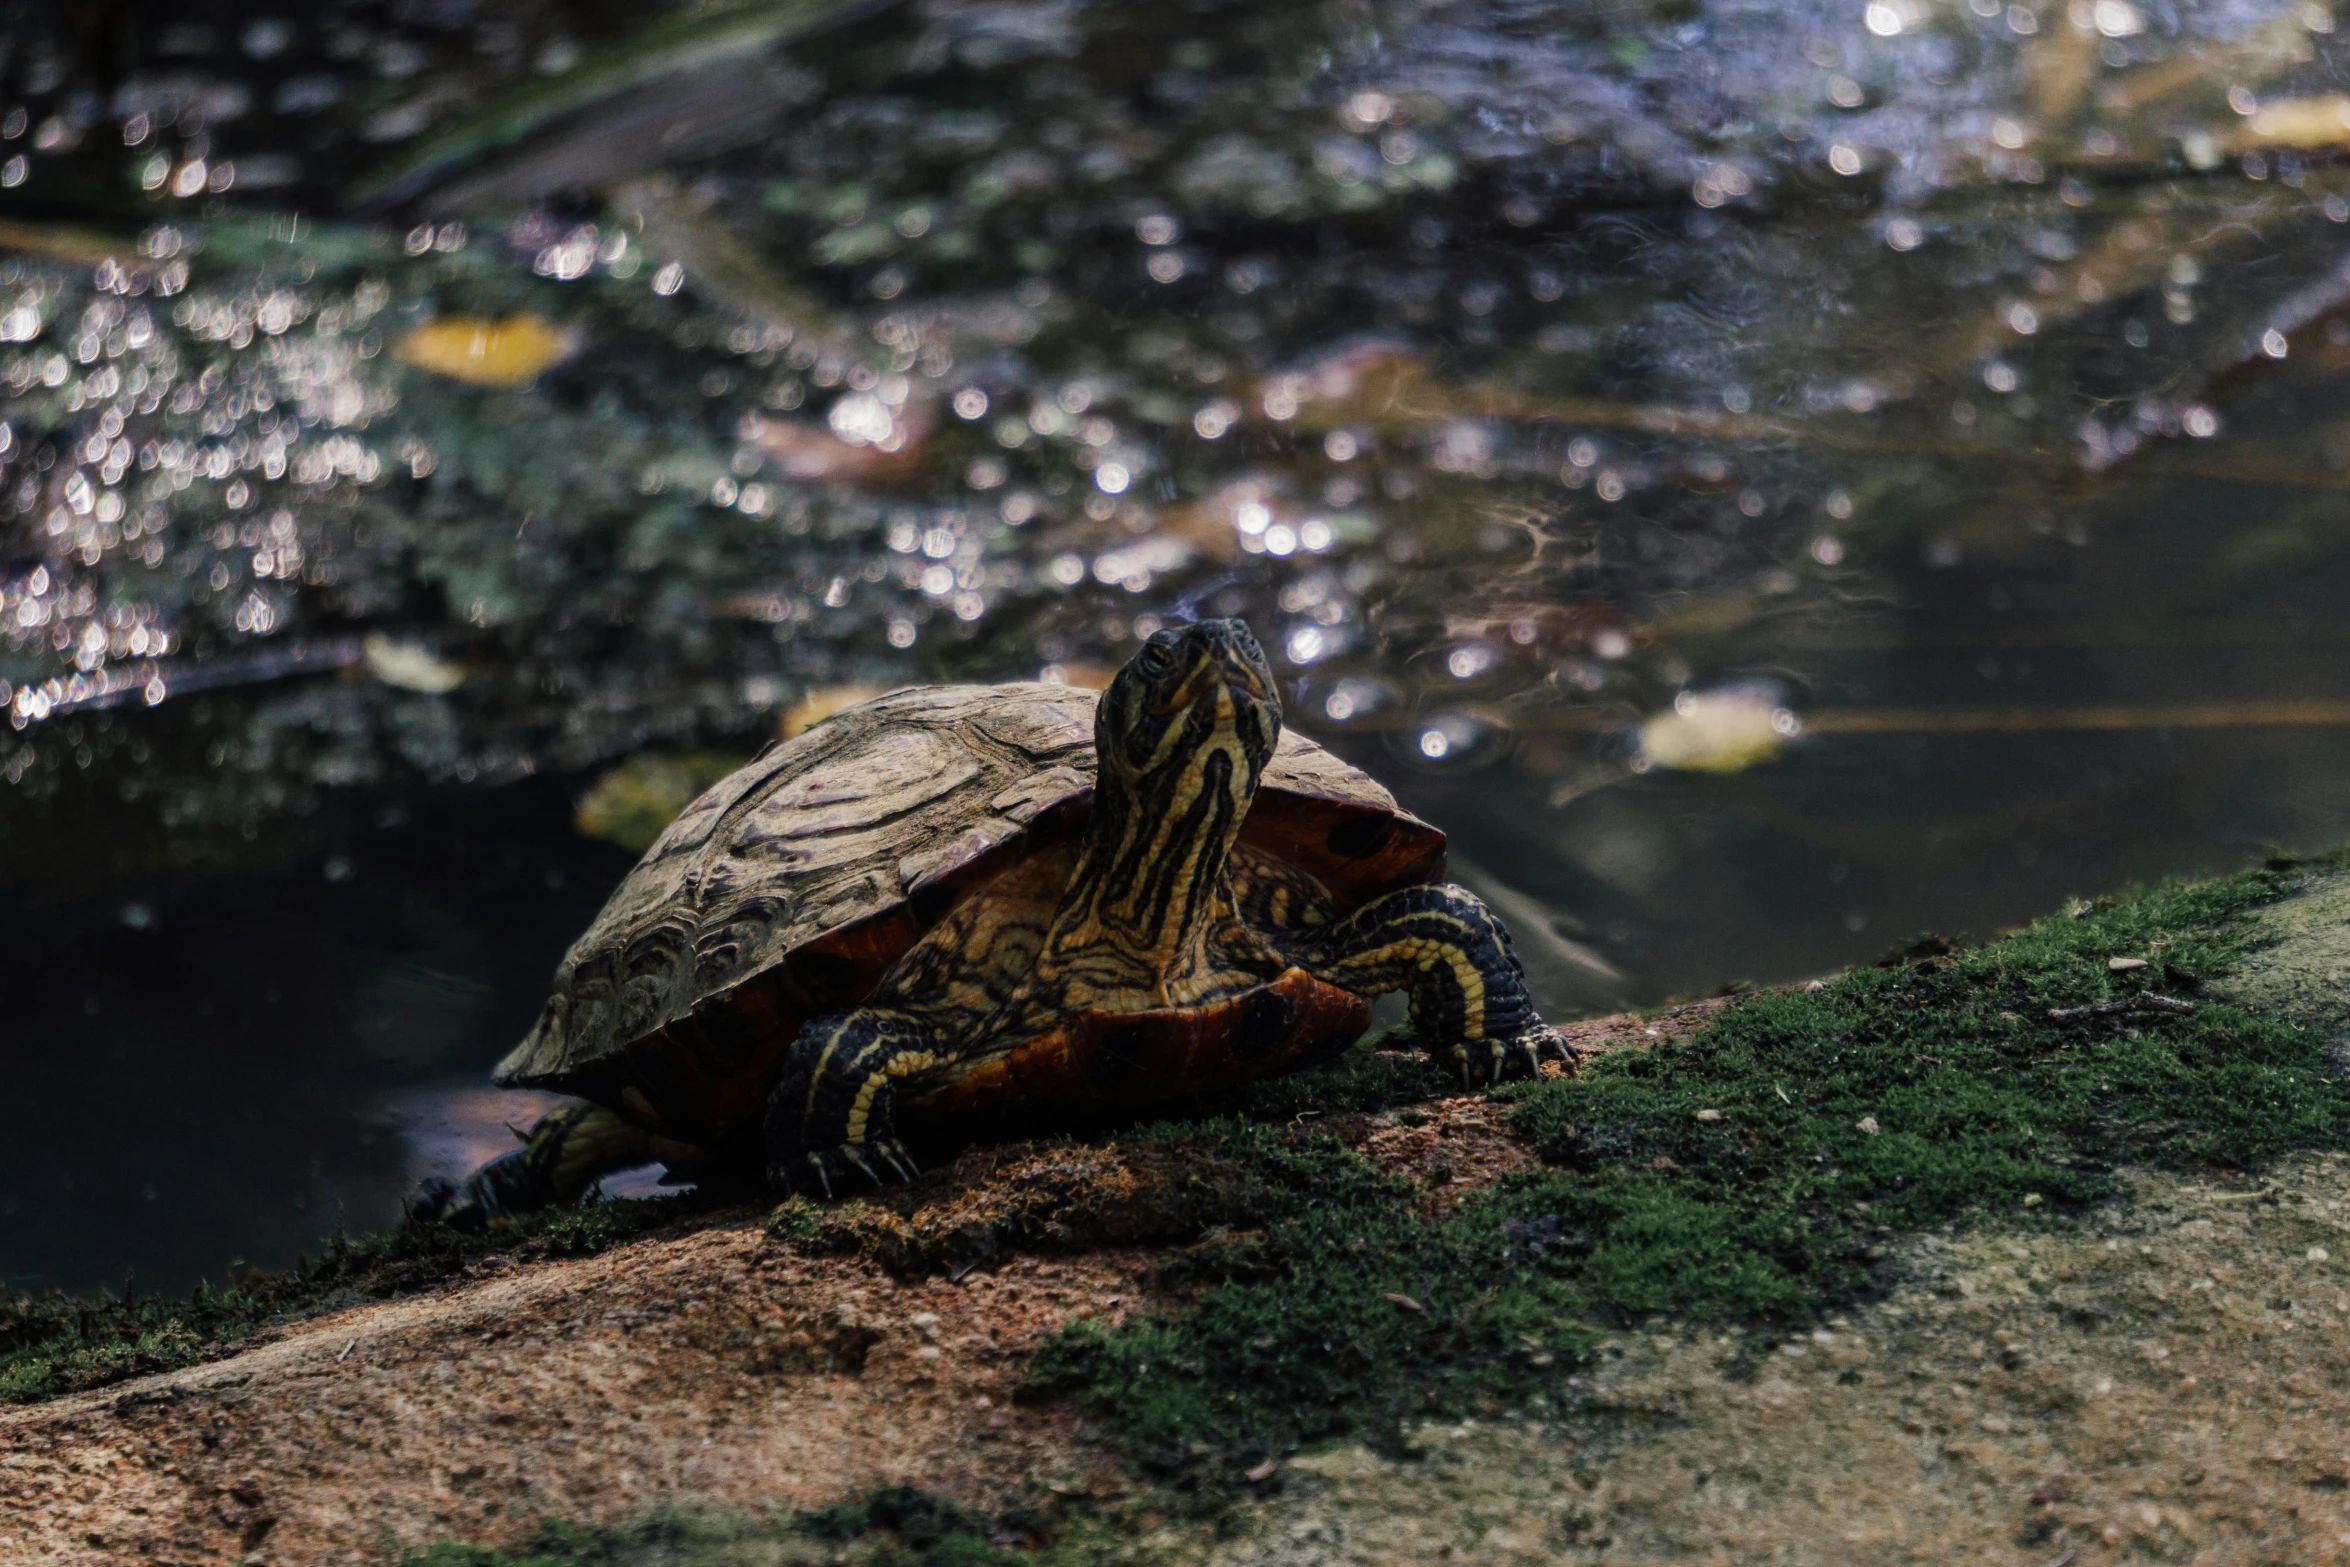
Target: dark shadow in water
point(207, 1072)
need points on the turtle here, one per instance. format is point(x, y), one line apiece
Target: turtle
point(955, 911)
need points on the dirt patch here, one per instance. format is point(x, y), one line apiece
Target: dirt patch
point(713, 1365)
point(1450, 1147)
point(2163, 1382)
point(728, 1366)
point(1458, 1146)
point(1032, 1198)
point(1646, 1029)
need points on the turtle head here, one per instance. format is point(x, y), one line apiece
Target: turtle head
point(1183, 734)
point(1192, 695)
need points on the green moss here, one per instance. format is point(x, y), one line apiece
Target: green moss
point(588, 1228)
point(1371, 1076)
point(892, 1526)
point(556, 1545)
point(931, 1530)
point(1932, 1089)
point(55, 1344)
point(797, 1221)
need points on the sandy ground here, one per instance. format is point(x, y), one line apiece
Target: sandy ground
point(710, 1366)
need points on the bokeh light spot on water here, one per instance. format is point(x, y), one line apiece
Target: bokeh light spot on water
point(1470, 660)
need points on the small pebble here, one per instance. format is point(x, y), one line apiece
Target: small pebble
point(2317, 1254)
point(2124, 965)
point(1866, 1125)
point(1709, 1115)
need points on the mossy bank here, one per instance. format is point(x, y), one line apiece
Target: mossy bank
point(1344, 1261)
point(1751, 1176)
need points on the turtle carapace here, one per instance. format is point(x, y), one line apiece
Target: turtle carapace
point(958, 910)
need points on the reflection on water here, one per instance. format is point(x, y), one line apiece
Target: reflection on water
point(1766, 479)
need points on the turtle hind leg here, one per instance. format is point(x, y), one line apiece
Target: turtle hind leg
point(1442, 947)
point(831, 1125)
point(560, 1157)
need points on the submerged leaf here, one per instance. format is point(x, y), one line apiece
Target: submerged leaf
point(511, 352)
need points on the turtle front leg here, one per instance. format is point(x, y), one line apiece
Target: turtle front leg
point(1442, 947)
point(560, 1157)
point(832, 1118)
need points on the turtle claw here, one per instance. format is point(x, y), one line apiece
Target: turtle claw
point(1544, 1043)
point(1539, 1044)
point(899, 1160)
point(1487, 1062)
point(815, 1172)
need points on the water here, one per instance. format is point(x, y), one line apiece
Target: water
point(1768, 480)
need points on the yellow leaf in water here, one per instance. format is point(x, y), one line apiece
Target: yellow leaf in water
point(487, 352)
point(409, 666)
point(2299, 122)
point(1716, 732)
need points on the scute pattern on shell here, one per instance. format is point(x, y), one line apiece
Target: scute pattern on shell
point(834, 826)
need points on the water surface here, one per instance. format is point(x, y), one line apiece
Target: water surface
point(1768, 480)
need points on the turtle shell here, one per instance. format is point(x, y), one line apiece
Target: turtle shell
point(793, 884)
